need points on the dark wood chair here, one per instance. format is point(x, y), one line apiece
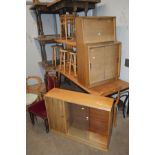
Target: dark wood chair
point(38, 109)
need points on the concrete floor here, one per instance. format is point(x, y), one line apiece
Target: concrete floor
point(40, 143)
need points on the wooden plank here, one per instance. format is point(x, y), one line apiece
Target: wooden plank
point(87, 100)
point(57, 1)
point(67, 42)
point(54, 2)
point(55, 39)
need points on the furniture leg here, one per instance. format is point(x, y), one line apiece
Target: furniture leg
point(60, 59)
point(124, 104)
point(32, 118)
point(74, 65)
point(128, 108)
point(55, 57)
point(45, 80)
point(46, 125)
point(70, 64)
point(59, 79)
point(64, 61)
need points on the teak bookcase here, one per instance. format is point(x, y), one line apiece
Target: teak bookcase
point(83, 117)
point(98, 52)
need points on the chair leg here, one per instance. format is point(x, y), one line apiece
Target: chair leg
point(128, 109)
point(124, 105)
point(46, 125)
point(32, 118)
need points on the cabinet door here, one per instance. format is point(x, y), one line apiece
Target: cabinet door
point(99, 30)
point(96, 64)
point(102, 64)
point(79, 116)
point(98, 121)
point(110, 62)
point(57, 117)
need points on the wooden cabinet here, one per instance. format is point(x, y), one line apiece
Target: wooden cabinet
point(79, 116)
point(95, 29)
point(98, 51)
point(98, 63)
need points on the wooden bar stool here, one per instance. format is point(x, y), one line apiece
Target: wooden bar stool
point(72, 62)
point(56, 49)
point(63, 58)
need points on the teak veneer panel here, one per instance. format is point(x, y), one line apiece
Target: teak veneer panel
point(56, 112)
point(87, 100)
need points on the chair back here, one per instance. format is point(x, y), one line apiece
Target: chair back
point(51, 82)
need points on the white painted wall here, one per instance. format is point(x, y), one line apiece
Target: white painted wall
point(120, 9)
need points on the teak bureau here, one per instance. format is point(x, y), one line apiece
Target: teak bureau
point(83, 117)
point(98, 51)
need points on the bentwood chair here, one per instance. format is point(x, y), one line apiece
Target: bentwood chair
point(121, 101)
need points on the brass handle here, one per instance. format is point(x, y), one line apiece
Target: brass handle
point(82, 108)
point(87, 118)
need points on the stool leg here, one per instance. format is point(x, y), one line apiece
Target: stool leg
point(60, 59)
point(74, 65)
point(70, 64)
point(64, 61)
point(53, 56)
point(55, 59)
